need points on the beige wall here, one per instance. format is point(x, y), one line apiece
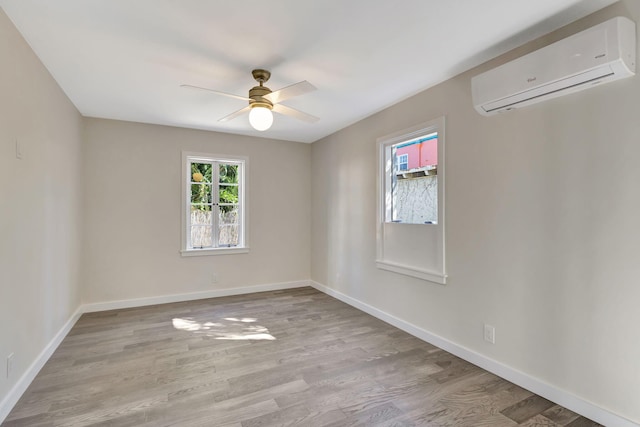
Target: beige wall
point(133, 207)
point(39, 205)
point(543, 229)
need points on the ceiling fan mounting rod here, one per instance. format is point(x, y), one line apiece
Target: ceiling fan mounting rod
point(261, 76)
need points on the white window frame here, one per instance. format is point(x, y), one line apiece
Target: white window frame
point(390, 235)
point(243, 224)
point(402, 157)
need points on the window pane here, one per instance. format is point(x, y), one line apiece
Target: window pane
point(228, 225)
point(228, 214)
point(229, 235)
point(201, 193)
point(201, 236)
point(228, 194)
point(228, 173)
point(414, 181)
point(201, 172)
point(201, 216)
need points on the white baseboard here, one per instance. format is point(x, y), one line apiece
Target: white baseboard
point(548, 391)
point(213, 293)
point(25, 380)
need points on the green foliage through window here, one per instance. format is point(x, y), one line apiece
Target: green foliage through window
point(228, 174)
point(202, 186)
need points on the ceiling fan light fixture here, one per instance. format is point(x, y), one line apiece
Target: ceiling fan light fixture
point(260, 118)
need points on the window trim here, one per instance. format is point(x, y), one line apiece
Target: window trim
point(187, 158)
point(384, 213)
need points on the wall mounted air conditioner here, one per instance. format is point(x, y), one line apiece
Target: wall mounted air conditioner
point(600, 54)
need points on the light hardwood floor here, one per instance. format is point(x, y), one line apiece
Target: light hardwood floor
point(294, 357)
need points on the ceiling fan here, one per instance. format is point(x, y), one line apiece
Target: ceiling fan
point(262, 101)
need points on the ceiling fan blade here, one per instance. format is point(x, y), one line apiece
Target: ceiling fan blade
point(288, 111)
point(288, 92)
point(235, 114)
point(230, 95)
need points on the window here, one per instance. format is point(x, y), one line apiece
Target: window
point(402, 162)
point(413, 193)
point(214, 213)
point(410, 238)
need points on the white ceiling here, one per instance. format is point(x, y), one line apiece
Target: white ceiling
point(126, 59)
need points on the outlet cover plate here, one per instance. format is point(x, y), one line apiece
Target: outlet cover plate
point(489, 334)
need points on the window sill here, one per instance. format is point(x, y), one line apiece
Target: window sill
point(430, 276)
point(216, 251)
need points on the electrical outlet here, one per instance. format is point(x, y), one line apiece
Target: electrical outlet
point(214, 278)
point(489, 334)
point(9, 364)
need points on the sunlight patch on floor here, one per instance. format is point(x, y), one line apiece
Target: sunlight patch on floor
point(229, 328)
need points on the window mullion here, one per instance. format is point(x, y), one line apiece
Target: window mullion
point(215, 208)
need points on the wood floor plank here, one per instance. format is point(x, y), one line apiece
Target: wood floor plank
point(291, 357)
point(560, 415)
point(527, 408)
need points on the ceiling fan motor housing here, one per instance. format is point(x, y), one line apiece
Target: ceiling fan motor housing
point(256, 95)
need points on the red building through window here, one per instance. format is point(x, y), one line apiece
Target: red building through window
point(421, 152)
